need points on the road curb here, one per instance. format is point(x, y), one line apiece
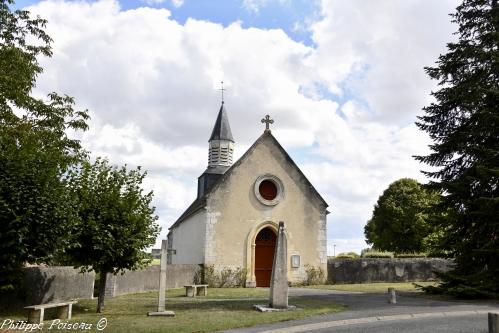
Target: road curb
point(365, 320)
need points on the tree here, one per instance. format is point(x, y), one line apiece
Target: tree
point(35, 151)
point(463, 123)
point(116, 221)
point(400, 217)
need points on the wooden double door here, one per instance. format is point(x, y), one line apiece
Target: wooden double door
point(264, 256)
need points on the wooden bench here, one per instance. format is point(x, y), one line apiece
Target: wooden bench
point(194, 290)
point(36, 312)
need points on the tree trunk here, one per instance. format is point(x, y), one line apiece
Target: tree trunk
point(102, 291)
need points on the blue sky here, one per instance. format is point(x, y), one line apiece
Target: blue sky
point(343, 80)
point(286, 14)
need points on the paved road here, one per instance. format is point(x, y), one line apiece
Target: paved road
point(372, 313)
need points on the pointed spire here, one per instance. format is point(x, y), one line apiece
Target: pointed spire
point(221, 130)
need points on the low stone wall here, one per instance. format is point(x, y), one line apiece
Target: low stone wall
point(385, 269)
point(148, 279)
point(57, 283)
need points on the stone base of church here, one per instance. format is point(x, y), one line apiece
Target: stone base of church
point(250, 284)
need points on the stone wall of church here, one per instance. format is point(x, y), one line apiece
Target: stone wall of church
point(188, 240)
point(235, 214)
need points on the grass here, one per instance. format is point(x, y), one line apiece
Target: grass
point(380, 287)
point(222, 309)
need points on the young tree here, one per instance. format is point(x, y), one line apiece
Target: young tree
point(116, 221)
point(464, 125)
point(35, 150)
point(400, 217)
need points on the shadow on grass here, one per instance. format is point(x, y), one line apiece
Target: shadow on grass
point(125, 306)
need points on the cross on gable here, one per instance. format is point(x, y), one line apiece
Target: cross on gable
point(267, 121)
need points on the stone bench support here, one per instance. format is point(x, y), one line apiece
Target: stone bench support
point(36, 312)
point(194, 290)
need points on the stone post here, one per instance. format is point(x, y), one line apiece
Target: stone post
point(393, 296)
point(162, 284)
point(279, 280)
point(493, 322)
point(162, 277)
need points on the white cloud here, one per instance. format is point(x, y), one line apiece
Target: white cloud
point(177, 3)
point(151, 84)
point(153, 2)
point(254, 6)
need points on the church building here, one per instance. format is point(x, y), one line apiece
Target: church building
point(233, 221)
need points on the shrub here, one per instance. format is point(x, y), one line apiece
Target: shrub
point(314, 275)
point(347, 255)
point(410, 255)
point(225, 278)
point(372, 253)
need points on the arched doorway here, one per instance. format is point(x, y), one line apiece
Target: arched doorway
point(264, 256)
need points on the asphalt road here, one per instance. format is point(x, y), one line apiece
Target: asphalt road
point(462, 324)
point(372, 313)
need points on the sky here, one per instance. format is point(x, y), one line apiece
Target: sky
point(343, 80)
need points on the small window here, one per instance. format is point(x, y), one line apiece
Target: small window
point(268, 189)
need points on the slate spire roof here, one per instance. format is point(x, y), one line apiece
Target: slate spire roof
point(221, 130)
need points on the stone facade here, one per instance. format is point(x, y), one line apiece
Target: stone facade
point(232, 215)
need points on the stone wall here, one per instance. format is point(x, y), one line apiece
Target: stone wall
point(57, 283)
point(385, 269)
point(148, 279)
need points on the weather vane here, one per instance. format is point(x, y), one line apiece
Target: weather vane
point(222, 89)
point(267, 121)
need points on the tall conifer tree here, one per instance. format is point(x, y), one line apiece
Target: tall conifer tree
point(464, 125)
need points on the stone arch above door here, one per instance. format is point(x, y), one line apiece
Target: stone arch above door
point(251, 246)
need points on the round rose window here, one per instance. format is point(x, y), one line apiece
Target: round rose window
point(269, 190)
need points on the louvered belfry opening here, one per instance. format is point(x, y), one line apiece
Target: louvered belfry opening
point(220, 153)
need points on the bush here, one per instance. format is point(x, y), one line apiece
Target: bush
point(347, 255)
point(410, 255)
point(371, 253)
point(227, 277)
point(314, 275)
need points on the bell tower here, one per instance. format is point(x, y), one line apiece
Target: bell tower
point(221, 143)
point(220, 152)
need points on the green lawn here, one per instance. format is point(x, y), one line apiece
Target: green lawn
point(222, 309)
point(380, 287)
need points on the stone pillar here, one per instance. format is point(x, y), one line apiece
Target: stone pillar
point(392, 295)
point(162, 277)
point(162, 284)
point(493, 322)
point(279, 280)
point(250, 276)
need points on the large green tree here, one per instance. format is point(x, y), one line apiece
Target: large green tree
point(36, 211)
point(400, 221)
point(464, 125)
point(116, 221)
